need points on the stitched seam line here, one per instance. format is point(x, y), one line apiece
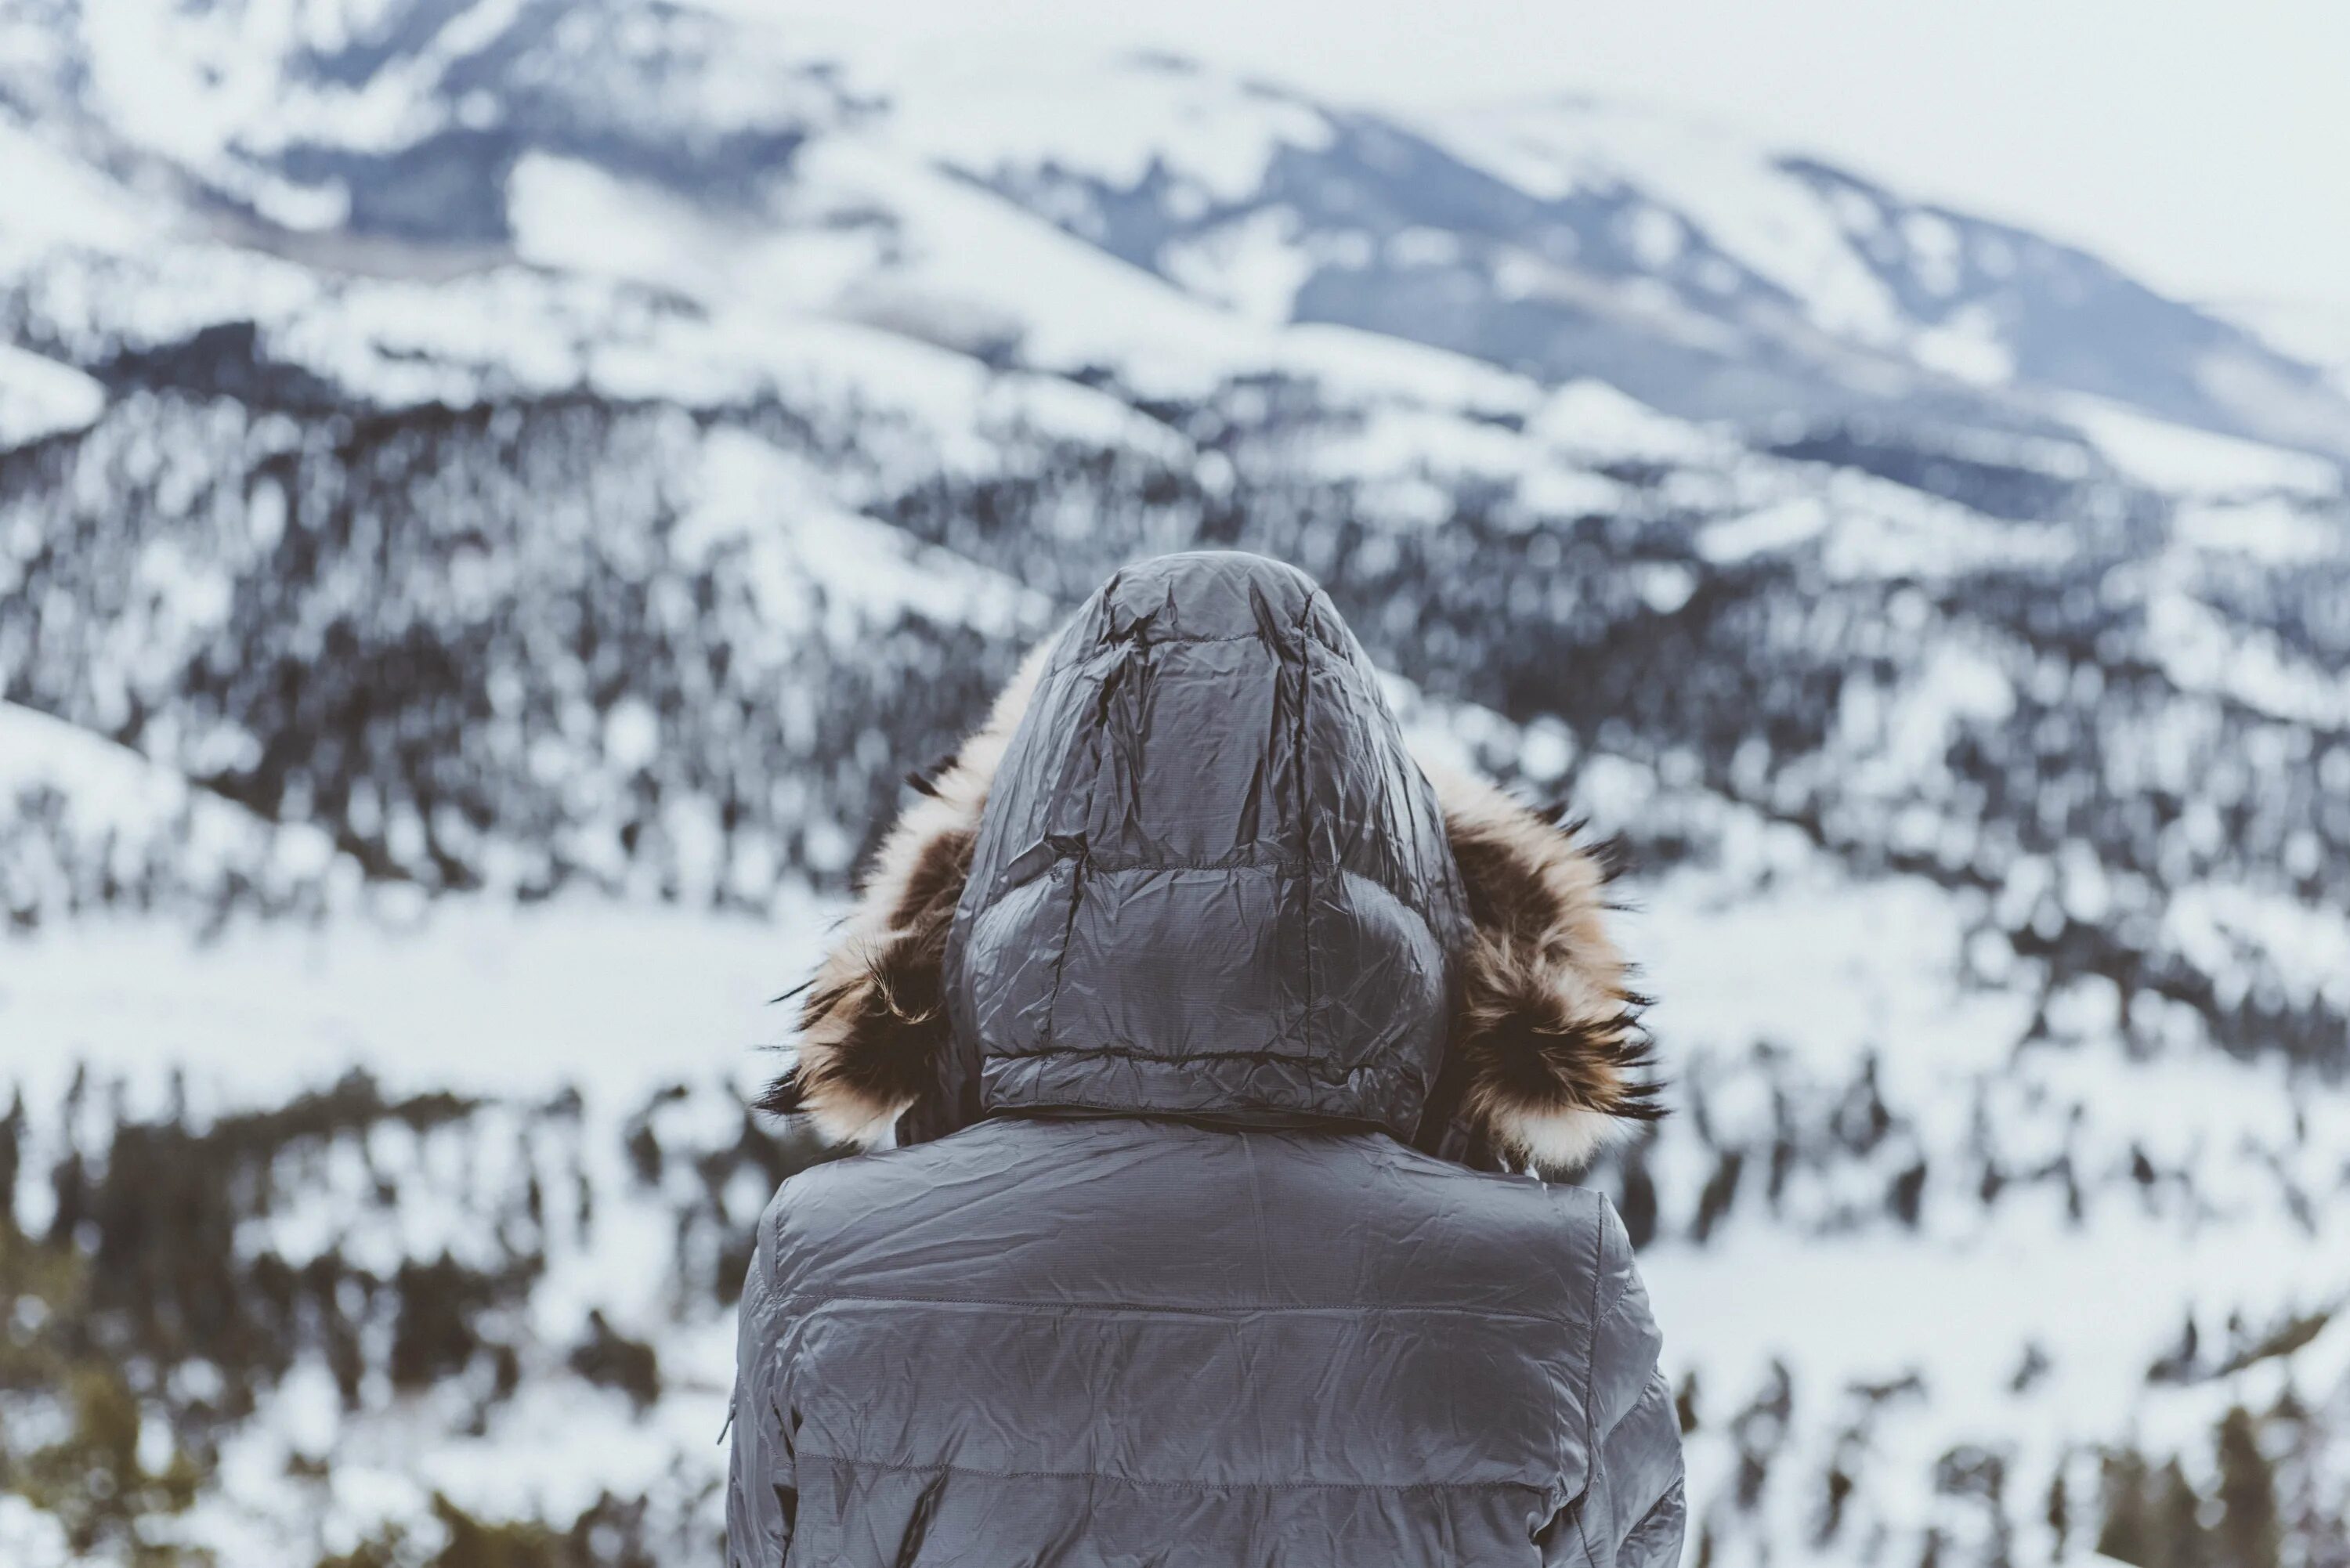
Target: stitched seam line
point(1593, 1479)
point(1175, 1485)
point(1304, 624)
point(1655, 1510)
point(1370, 1074)
point(1622, 1293)
point(1128, 1053)
point(1311, 930)
point(1272, 864)
point(1615, 1309)
point(1633, 1410)
point(1113, 1308)
point(1061, 959)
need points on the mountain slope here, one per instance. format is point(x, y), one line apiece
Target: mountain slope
point(1708, 276)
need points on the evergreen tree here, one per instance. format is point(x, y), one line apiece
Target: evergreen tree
point(2247, 1536)
point(1720, 1192)
point(11, 1140)
point(2180, 1540)
point(1685, 1403)
point(2128, 1534)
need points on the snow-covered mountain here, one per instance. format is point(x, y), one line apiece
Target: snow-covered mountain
point(494, 498)
point(2317, 331)
point(703, 156)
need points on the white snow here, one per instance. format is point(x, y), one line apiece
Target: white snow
point(2273, 530)
point(478, 999)
point(1823, 965)
point(2175, 457)
point(1967, 343)
point(1729, 190)
point(1252, 266)
point(117, 808)
point(2315, 331)
point(1887, 530)
point(567, 213)
point(40, 397)
point(467, 996)
point(2201, 651)
point(2306, 945)
point(1354, 366)
point(1777, 527)
point(1076, 306)
point(55, 198)
point(812, 563)
point(1594, 420)
point(996, 112)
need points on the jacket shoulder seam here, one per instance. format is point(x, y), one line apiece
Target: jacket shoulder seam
point(1098, 1306)
point(1595, 1459)
point(1677, 1491)
point(1601, 1216)
point(907, 1467)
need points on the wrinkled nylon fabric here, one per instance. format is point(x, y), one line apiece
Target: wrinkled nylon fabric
point(1158, 1286)
point(1209, 876)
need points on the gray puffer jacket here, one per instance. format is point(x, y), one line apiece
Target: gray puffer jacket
point(1216, 1034)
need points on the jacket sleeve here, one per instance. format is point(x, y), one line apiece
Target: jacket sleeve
point(1632, 1513)
point(762, 1488)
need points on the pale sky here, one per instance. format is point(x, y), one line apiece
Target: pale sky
point(2205, 144)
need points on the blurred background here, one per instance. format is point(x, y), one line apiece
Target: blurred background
point(495, 494)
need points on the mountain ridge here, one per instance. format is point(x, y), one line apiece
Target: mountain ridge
point(1565, 237)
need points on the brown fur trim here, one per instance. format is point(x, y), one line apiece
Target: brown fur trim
point(1547, 1032)
point(1546, 1039)
point(873, 1025)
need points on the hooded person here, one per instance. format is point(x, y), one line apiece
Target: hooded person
point(1216, 1037)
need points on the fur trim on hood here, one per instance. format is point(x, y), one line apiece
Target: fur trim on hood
point(1545, 1041)
point(873, 1023)
point(1547, 1031)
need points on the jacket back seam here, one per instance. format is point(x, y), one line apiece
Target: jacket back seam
point(1172, 1484)
point(819, 1299)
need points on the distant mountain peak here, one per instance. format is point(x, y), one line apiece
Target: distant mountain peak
point(1559, 237)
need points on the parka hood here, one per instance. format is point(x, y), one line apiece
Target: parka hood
point(1190, 868)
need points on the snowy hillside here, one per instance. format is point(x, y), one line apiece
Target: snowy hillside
point(494, 498)
point(737, 170)
point(2313, 330)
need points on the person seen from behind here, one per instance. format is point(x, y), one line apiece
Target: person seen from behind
point(1211, 1047)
